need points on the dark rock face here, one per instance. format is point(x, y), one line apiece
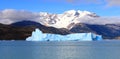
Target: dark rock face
point(21, 30)
point(81, 28)
point(108, 31)
point(15, 33)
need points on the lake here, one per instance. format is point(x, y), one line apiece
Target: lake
point(60, 50)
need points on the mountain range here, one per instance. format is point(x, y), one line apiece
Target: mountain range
point(69, 22)
point(66, 19)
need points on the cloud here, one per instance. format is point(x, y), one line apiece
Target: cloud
point(109, 3)
point(113, 2)
point(103, 20)
point(8, 16)
point(84, 1)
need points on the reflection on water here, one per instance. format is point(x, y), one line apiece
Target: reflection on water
point(59, 50)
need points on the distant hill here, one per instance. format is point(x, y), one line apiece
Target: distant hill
point(26, 23)
point(108, 31)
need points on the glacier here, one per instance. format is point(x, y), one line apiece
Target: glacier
point(37, 35)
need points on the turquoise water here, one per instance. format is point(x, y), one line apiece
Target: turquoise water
point(60, 50)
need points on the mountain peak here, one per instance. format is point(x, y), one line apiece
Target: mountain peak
point(65, 19)
point(70, 11)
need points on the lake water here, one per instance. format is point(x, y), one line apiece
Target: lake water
point(60, 50)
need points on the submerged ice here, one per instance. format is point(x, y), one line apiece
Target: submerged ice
point(37, 35)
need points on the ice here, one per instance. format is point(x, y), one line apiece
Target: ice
point(37, 35)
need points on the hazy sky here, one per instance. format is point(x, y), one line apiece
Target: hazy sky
point(101, 7)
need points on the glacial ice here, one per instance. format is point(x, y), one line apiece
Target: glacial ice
point(37, 35)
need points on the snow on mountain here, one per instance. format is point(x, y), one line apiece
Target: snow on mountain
point(66, 19)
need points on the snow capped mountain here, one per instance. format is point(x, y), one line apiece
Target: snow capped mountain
point(66, 19)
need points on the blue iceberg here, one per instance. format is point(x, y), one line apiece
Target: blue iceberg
point(37, 35)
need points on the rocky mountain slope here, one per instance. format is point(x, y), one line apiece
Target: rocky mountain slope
point(108, 31)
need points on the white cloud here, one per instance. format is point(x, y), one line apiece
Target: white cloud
point(103, 20)
point(84, 1)
point(113, 2)
point(8, 16)
point(109, 3)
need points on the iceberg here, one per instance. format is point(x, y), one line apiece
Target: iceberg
point(37, 35)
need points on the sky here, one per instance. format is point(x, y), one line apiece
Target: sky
point(100, 7)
